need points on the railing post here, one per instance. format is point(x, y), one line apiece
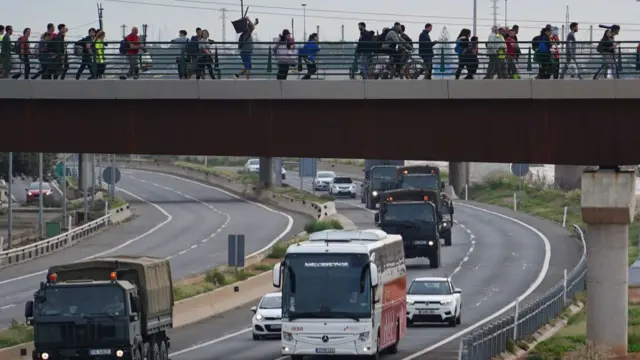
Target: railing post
point(515, 319)
point(564, 288)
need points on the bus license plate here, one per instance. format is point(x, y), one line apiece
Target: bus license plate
point(325, 350)
point(420, 242)
point(100, 352)
point(426, 312)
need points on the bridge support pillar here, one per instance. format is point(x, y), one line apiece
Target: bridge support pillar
point(85, 171)
point(266, 172)
point(458, 177)
point(608, 205)
point(277, 171)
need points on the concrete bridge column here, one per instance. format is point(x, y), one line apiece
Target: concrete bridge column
point(608, 205)
point(567, 177)
point(266, 171)
point(458, 176)
point(85, 171)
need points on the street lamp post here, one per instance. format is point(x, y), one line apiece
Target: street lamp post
point(304, 20)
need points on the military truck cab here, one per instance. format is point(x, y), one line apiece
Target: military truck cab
point(411, 214)
point(427, 178)
point(105, 308)
point(377, 179)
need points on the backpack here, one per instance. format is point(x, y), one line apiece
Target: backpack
point(16, 46)
point(378, 40)
point(193, 48)
point(458, 48)
point(43, 46)
point(123, 46)
point(535, 43)
point(78, 48)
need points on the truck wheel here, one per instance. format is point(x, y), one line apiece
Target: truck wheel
point(434, 260)
point(447, 237)
point(164, 354)
point(370, 204)
point(155, 352)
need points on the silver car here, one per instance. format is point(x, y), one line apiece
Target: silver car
point(323, 180)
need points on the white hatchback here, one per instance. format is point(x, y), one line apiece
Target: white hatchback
point(267, 321)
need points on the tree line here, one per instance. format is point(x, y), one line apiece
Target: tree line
point(25, 163)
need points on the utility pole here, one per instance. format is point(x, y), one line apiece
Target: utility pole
point(144, 34)
point(342, 33)
point(304, 21)
point(64, 189)
point(495, 12)
point(41, 195)
point(475, 17)
point(318, 30)
point(124, 30)
point(292, 30)
point(506, 23)
point(100, 9)
point(224, 24)
point(10, 195)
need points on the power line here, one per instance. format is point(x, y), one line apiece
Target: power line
point(424, 16)
point(174, 6)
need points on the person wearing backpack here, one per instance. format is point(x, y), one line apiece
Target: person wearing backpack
point(541, 45)
point(86, 53)
point(133, 48)
point(464, 49)
point(607, 49)
point(425, 50)
point(245, 45)
point(24, 53)
point(364, 49)
point(62, 56)
point(309, 53)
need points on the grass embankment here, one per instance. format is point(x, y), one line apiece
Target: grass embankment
point(537, 199)
point(18, 333)
point(74, 196)
point(251, 178)
point(224, 275)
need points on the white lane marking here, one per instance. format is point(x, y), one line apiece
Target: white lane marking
point(227, 217)
point(273, 242)
point(205, 344)
point(127, 243)
point(7, 307)
point(532, 288)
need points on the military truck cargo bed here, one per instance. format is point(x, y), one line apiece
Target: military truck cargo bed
point(152, 277)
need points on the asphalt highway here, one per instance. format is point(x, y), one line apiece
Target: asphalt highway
point(178, 219)
point(497, 255)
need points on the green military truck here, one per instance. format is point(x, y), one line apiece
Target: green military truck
point(377, 179)
point(428, 178)
point(411, 214)
point(106, 308)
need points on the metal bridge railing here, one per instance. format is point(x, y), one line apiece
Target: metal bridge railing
point(335, 61)
point(524, 320)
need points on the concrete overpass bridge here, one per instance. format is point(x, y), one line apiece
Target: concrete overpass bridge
point(529, 121)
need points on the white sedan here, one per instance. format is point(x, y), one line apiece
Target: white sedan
point(434, 299)
point(267, 321)
point(323, 180)
point(253, 166)
point(343, 186)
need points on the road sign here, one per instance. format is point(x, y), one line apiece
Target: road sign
point(106, 175)
point(236, 250)
point(308, 167)
point(520, 170)
point(59, 169)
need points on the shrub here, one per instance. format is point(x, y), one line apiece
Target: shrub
point(319, 225)
point(241, 274)
point(278, 251)
point(263, 267)
point(589, 351)
point(215, 277)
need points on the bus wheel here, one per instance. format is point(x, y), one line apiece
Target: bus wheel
point(376, 356)
point(393, 349)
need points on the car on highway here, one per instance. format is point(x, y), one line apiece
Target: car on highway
point(33, 192)
point(343, 186)
point(267, 321)
point(253, 166)
point(434, 299)
point(323, 180)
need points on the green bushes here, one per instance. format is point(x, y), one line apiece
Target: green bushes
point(319, 225)
point(16, 333)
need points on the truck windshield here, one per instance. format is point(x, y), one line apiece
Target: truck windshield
point(409, 212)
point(420, 182)
point(82, 301)
point(325, 285)
point(384, 173)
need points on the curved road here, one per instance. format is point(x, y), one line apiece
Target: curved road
point(179, 219)
point(497, 255)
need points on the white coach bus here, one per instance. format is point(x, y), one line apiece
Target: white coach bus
point(343, 293)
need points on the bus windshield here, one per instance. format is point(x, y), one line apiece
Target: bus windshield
point(384, 173)
point(326, 285)
point(420, 182)
point(419, 211)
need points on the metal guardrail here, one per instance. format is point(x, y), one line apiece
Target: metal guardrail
point(335, 60)
point(46, 246)
point(491, 340)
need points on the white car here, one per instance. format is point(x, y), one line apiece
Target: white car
point(343, 186)
point(323, 180)
point(253, 166)
point(434, 299)
point(267, 321)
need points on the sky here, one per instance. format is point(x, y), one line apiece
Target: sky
point(166, 17)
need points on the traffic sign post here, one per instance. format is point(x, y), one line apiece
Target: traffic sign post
point(236, 251)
